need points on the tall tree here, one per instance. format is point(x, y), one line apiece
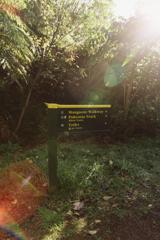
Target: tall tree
point(63, 24)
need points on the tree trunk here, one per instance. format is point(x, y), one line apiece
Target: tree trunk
point(35, 80)
point(128, 92)
point(27, 102)
point(23, 110)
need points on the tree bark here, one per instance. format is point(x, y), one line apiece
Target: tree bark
point(23, 110)
point(26, 103)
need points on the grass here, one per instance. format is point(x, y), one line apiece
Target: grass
point(128, 174)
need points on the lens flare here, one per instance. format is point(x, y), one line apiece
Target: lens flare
point(4, 217)
point(8, 233)
point(26, 181)
point(113, 75)
point(23, 187)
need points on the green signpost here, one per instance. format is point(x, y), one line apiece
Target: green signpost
point(73, 119)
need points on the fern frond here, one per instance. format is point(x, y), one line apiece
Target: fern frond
point(15, 41)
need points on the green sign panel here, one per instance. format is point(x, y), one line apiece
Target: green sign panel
point(84, 119)
point(71, 118)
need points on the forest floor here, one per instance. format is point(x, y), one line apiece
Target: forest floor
point(107, 191)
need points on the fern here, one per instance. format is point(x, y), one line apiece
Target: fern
point(15, 42)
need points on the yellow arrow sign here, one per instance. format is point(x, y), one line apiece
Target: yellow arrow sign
point(54, 105)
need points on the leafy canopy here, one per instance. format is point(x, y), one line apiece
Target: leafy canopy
point(15, 42)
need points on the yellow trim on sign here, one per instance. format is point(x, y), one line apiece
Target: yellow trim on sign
point(54, 105)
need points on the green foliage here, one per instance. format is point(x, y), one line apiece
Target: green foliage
point(9, 148)
point(68, 24)
point(39, 156)
point(45, 40)
point(120, 179)
point(134, 93)
point(74, 51)
point(7, 152)
point(90, 168)
point(15, 42)
point(49, 217)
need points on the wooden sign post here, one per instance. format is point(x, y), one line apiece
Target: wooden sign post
point(73, 119)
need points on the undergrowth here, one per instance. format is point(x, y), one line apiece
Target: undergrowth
point(128, 174)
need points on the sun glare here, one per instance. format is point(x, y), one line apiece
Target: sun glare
point(149, 9)
point(124, 8)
